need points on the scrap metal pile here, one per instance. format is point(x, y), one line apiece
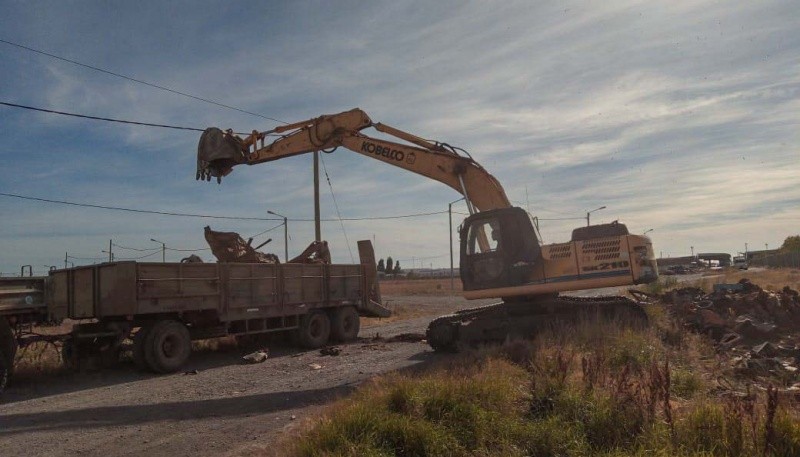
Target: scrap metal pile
point(231, 247)
point(759, 329)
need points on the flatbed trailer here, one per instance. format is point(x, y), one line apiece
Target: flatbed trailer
point(163, 307)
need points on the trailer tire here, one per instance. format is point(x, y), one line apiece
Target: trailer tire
point(139, 339)
point(315, 329)
point(8, 350)
point(345, 324)
point(167, 346)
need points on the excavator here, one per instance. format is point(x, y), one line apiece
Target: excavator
point(501, 255)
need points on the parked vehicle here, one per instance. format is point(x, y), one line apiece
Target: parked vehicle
point(163, 307)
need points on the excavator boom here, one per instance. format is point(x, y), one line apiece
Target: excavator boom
point(218, 152)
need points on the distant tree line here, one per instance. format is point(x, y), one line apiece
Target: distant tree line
point(791, 244)
point(390, 267)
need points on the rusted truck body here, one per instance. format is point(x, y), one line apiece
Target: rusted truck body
point(162, 307)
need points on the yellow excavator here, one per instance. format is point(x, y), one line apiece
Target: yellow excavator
point(501, 253)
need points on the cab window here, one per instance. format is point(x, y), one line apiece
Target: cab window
point(484, 236)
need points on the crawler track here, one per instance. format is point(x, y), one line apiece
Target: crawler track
point(500, 321)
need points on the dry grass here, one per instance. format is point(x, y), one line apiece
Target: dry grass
point(770, 279)
point(436, 286)
point(592, 389)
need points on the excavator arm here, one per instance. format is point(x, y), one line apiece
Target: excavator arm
point(218, 152)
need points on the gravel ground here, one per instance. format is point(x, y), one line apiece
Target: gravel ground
point(225, 408)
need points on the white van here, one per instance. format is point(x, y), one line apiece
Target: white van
point(740, 262)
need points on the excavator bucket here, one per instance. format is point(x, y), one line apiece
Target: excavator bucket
point(217, 153)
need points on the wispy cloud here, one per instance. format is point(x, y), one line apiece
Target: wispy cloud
point(677, 116)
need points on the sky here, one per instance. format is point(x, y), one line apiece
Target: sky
point(677, 116)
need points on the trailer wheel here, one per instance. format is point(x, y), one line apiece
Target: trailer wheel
point(167, 346)
point(345, 324)
point(139, 346)
point(8, 350)
point(315, 329)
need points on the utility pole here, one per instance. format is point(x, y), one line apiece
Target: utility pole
point(692, 247)
point(163, 250)
point(450, 217)
point(110, 253)
point(590, 212)
point(285, 234)
point(66, 256)
point(317, 227)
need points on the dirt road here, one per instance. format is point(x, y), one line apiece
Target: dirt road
point(225, 408)
point(222, 408)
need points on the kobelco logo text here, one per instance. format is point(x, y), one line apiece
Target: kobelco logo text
point(389, 153)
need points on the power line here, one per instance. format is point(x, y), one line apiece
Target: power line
point(111, 119)
point(98, 118)
point(336, 205)
point(188, 250)
point(156, 86)
point(207, 216)
point(86, 258)
point(134, 249)
point(157, 250)
point(140, 257)
point(267, 230)
point(132, 210)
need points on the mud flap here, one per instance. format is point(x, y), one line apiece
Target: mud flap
point(8, 350)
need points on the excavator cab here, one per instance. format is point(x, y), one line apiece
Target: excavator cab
point(499, 248)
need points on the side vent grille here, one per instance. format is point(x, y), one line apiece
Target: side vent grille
point(560, 251)
point(603, 249)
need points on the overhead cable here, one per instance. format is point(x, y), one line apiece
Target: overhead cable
point(207, 216)
point(111, 119)
point(156, 86)
point(336, 205)
point(97, 118)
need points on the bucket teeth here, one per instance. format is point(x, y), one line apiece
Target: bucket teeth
point(217, 153)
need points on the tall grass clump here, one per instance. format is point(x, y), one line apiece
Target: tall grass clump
point(591, 389)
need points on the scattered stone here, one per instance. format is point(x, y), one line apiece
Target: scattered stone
point(330, 350)
point(407, 338)
point(256, 357)
point(191, 372)
point(765, 349)
point(728, 288)
point(315, 366)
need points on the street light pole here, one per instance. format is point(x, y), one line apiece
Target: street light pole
point(647, 231)
point(590, 212)
point(450, 216)
point(285, 234)
point(163, 250)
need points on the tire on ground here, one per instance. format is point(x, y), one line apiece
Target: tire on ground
point(167, 346)
point(315, 329)
point(345, 324)
point(8, 350)
point(139, 346)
